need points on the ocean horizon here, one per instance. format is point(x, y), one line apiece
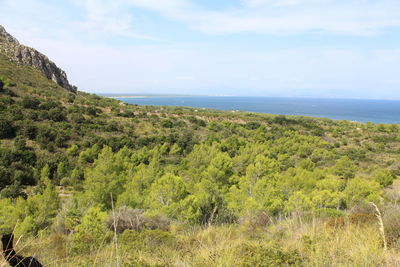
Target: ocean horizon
point(359, 110)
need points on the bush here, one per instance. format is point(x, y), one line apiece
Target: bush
point(354, 219)
point(146, 239)
point(30, 102)
point(134, 219)
point(160, 222)
point(328, 213)
point(56, 114)
point(167, 124)
point(363, 208)
point(259, 220)
point(126, 218)
point(91, 233)
point(253, 125)
point(29, 130)
point(66, 181)
point(7, 128)
point(384, 177)
point(260, 255)
point(391, 222)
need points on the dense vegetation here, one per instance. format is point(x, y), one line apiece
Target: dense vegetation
point(91, 181)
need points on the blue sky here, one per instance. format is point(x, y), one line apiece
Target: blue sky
point(316, 48)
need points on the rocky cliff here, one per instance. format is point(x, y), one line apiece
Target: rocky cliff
point(28, 56)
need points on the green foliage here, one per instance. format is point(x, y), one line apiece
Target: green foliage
point(37, 215)
point(7, 128)
point(30, 102)
point(146, 239)
point(91, 233)
point(89, 155)
point(8, 216)
point(345, 168)
point(359, 189)
point(73, 150)
point(266, 255)
point(107, 176)
point(166, 193)
point(384, 177)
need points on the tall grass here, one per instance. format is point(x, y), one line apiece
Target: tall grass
point(289, 241)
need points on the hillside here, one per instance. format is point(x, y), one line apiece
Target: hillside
point(28, 56)
point(91, 181)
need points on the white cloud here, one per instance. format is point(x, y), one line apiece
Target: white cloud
point(353, 17)
point(109, 18)
point(258, 3)
point(274, 17)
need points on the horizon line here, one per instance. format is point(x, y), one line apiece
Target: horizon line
point(149, 95)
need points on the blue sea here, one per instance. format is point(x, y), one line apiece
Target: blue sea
point(376, 111)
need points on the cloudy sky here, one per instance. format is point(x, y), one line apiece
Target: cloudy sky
point(318, 48)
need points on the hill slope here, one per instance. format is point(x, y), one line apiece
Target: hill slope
point(24, 55)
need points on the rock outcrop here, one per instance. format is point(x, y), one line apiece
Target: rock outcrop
point(31, 57)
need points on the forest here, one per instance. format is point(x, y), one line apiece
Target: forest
point(92, 181)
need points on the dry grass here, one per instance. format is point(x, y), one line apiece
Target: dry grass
point(288, 241)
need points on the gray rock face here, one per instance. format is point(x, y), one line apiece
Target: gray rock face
point(8, 37)
point(31, 57)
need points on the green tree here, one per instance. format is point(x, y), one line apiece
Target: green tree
point(7, 128)
point(361, 190)
point(107, 176)
point(91, 233)
point(344, 168)
point(384, 177)
point(299, 202)
point(166, 193)
point(137, 186)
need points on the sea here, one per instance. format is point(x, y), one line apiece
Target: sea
point(359, 110)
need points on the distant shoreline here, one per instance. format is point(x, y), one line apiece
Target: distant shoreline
point(149, 96)
point(249, 96)
point(360, 110)
point(128, 96)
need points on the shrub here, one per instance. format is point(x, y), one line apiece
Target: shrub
point(30, 102)
point(134, 219)
point(260, 255)
point(363, 208)
point(253, 125)
point(157, 221)
point(126, 218)
point(391, 222)
point(354, 219)
point(29, 130)
point(167, 124)
point(146, 239)
point(56, 114)
point(7, 128)
point(66, 181)
point(328, 213)
point(91, 233)
point(384, 177)
point(259, 220)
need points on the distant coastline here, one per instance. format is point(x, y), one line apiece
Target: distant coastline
point(128, 96)
point(376, 111)
point(116, 96)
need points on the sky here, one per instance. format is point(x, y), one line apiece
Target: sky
point(293, 48)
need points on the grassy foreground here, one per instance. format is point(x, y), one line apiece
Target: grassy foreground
point(291, 241)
